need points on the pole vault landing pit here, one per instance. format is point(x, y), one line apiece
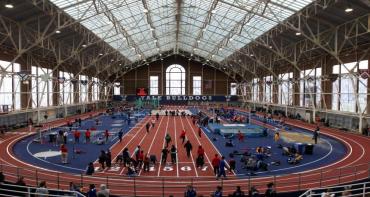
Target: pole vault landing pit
point(231, 130)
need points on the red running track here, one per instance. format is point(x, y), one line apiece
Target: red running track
point(173, 180)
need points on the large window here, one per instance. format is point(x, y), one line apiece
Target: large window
point(197, 85)
point(310, 87)
point(285, 94)
point(10, 93)
point(345, 87)
point(42, 87)
point(117, 88)
point(65, 88)
point(95, 88)
point(153, 85)
point(175, 80)
point(267, 89)
point(233, 89)
point(255, 88)
point(83, 88)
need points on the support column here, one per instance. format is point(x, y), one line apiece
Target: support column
point(56, 90)
point(327, 89)
point(26, 87)
point(296, 87)
point(275, 88)
point(89, 89)
point(76, 90)
point(260, 88)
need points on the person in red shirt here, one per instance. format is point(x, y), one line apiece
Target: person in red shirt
point(77, 135)
point(240, 136)
point(182, 136)
point(87, 136)
point(215, 164)
point(64, 156)
point(140, 158)
point(199, 132)
point(200, 151)
point(106, 134)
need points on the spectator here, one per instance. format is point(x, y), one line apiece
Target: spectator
point(73, 187)
point(222, 167)
point(218, 192)
point(42, 190)
point(106, 134)
point(327, 193)
point(120, 134)
point(102, 159)
point(108, 160)
point(2, 177)
point(87, 136)
point(347, 191)
point(188, 148)
point(238, 192)
point(253, 192)
point(190, 192)
point(92, 191)
point(64, 155)
point(270, 191)
point(103, 191)
point(90, 169)
point(215, 164)
point(21, 181)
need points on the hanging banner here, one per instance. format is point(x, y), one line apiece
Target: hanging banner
point(211, 98)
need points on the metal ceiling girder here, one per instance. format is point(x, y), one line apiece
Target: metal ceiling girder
point(205, 23)
point(118, 26)
point(76, 25)
point(178, 19)
point(150, 22)
point(232, 32)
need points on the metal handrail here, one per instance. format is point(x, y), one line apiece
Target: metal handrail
point(28, 191)
point(360, 189)
point(135, 185)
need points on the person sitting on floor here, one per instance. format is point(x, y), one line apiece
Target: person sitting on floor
point(229, 143)
point(297, 158)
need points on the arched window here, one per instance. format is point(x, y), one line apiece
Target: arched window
point(175, 80)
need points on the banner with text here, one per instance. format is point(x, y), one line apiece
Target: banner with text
point(182, 98)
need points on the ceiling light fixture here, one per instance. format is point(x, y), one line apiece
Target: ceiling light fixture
point(57, 31)
point(348, 9)
point(270, 47)
point(220, 49)
point(231, 39)
point(100, 54)
point(160, 54)
point(213, 11)
point(120, 64)
point(112, 60)
point(251, 55)
point(298, 33)
point(195, 49)
point(191, 55)
point(151, 29)
point(133, 48)
point(9, 5)
point(155, 40)
point(162, 59)
point(84, 45)
point(204, 29)
point(145, 11)
point(198, 41)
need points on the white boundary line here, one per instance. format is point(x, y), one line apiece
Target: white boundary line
point(160, 161)
point(151, 144)
point(191, 154)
